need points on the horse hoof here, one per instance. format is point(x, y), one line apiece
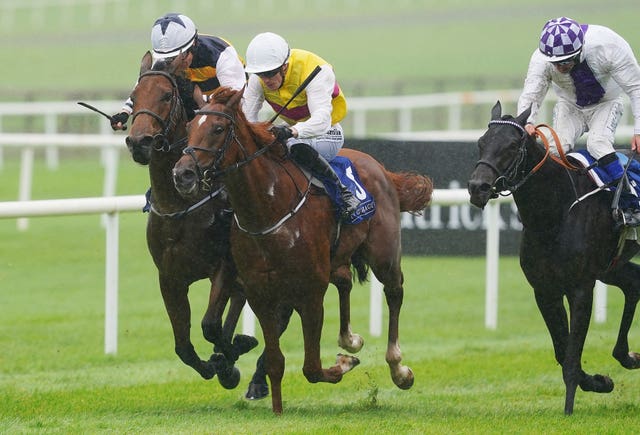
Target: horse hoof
point(630, 361)
point(597, 384)
point(353, 345)
point(257, 391)
point(230, 379)
point(405, 380)
point(346, 362)
point(244, 343)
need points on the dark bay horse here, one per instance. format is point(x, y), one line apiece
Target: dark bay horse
point(188, 239)
point(286, 241)
point(566, 244)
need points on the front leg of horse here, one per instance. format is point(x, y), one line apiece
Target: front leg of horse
point(258, 387)
point(179, 311)
point(226, 351)
point(580, 306)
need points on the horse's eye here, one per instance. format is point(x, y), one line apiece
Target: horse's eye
point(218, 129)
point(166, 96)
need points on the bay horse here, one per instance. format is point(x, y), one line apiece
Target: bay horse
point(188, 239)
point(286, 240)
point(568, 242)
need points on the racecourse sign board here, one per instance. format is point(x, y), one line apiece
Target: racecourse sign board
point(443, 230)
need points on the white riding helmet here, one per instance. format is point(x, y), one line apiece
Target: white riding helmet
point(266, 52)
point(171, 35)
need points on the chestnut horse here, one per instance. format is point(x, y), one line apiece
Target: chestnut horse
point(286, 241)
point(568, 242)
point(188, 240)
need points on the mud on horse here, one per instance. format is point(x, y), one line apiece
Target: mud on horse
point(188, 239)
point(285, 236)
point(567, 243)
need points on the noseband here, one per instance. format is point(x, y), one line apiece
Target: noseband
point(176, 110)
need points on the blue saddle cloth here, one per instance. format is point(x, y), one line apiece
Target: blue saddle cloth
point(601, 178)
point(349, 177)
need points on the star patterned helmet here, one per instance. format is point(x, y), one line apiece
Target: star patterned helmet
point(171, 35)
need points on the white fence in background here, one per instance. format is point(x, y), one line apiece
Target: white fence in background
point(110, 144)
point(112, 206)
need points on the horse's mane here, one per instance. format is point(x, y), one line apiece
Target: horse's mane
point(259, 130)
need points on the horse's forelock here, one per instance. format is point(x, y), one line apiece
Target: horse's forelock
point(223, 94)
point(160, 65)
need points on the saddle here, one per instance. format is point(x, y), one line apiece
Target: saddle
point(349, 177)
point(628, 199)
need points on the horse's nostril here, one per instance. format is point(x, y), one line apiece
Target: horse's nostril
point(138, 141)
point(184, 177)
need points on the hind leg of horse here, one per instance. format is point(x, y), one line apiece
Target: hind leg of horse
point(627, 278)
point(390, 274)
point(312, 316)
point(174, 294)
point(258, 387)
point(347, 340)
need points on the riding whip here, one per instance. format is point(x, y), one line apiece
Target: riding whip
point(95, 109)
point(300, 89)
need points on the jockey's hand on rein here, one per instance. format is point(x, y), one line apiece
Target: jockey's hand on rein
point(121, 117)
point(282, 133)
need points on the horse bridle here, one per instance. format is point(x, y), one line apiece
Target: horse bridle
point(509, 177)
point(176, 110)
point(208, 174)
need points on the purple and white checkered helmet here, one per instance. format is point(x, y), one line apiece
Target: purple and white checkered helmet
point(561, 38)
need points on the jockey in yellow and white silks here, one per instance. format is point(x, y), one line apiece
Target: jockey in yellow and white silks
point(313, 132)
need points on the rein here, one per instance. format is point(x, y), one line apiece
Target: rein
point(510, 173)
point(212, 172)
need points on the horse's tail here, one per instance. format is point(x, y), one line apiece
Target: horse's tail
point(359, 264)
point(414, 190)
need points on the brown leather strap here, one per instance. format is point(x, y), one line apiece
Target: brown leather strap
point(563, 158)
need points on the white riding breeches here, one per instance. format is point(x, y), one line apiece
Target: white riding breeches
point(327, 144)
point(600, 121)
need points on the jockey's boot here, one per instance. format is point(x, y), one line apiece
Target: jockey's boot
point(309, 158)
point(630, 216)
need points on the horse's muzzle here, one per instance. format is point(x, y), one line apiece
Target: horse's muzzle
point(140, 148)
point(480, 192)
point(186, 181)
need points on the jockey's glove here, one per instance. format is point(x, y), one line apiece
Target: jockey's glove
point(282, 133)
point(122, 117)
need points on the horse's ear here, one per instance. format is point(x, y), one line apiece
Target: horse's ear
point(522, 118)
point(235, 99)
point(175, 67)
point(146, 62)
point(198, 96)
point(496, 111)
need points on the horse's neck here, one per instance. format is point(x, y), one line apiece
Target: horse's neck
point(544, 198)
point(165, 195)
point(263, 190)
